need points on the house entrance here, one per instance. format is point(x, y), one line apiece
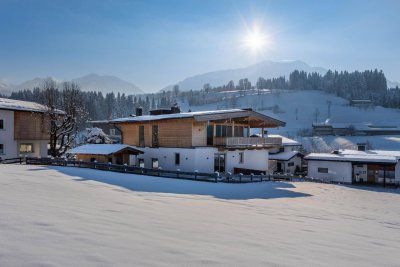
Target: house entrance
point(219, 162)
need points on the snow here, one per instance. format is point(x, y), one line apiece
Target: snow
point(285, 141)
point(358, 156)
point(93, 136)
point(283, 155)
point(11, 104)
point(64, 216)
point(174, 115)
point(99, 149)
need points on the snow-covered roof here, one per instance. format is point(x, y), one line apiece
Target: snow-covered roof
point(285, 141)
point(202, 116)
point(101, 149)
point(283, 155)
point(11, 104)
point(381, 156)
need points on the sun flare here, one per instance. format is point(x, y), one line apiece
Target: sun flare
point(255, 40)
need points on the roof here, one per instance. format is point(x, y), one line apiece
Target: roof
point(286, 141)
point(102, 149)
point(11, 104)
point(204, 116)
point(284, 155)
point(377, 156)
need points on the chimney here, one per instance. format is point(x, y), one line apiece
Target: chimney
point(361, 146)
point(175, 109)
point(139, 111)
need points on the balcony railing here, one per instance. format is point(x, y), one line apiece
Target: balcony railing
point(247, 141)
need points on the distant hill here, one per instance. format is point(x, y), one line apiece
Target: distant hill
point(107, 83)
point(265, 69)
point(91, 82)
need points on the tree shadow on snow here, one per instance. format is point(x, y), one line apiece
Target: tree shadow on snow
point(152, 184)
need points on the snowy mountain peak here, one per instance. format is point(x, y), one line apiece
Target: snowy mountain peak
point(265, 69)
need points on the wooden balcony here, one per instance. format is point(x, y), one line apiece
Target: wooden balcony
point(247, 142)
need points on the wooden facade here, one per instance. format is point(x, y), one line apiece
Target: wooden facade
point(30, 126)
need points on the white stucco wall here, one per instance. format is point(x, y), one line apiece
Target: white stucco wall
point(7, 135)
point(337, 171)
point(202, 159)
point(40, 148)
point(253, 159)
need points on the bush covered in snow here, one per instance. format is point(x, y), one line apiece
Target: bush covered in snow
point(94, 136)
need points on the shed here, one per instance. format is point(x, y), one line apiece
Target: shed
point(105, 153)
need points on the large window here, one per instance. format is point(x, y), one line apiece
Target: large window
point(1, 124)
point(112, 132)
point(223, 131)
point(141, 163)
point(141, 135)
point(1, 149)
point(154, 135)
point(26, 148)
point(323, 170)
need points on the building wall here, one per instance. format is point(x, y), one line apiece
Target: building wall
point(253, 159)
point(199, 134)
point(40, 148)
point(202, 159)
point(171, 133)
point(360, 172)
point(337, 171)
point(30, 126)
point(7, 135)
point(397, 172)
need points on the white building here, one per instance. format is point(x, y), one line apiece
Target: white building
point(206, 141)
point(287, 158)
point(354, 166)
point(22, 129)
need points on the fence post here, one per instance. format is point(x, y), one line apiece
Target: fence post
point(216, 176)
point(195, 174)
point(177, 173)
point(229, 176)
point(240, 177)
point(125, 167)
point(261, 176)
point(251, 177)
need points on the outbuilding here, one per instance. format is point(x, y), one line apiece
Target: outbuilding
point(355, 166)
point(105, 153)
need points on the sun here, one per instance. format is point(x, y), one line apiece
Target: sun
point(255, 40)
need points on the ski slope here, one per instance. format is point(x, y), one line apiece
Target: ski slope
point(64, 216)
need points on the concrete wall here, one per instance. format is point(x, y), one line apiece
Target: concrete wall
point(337, 171)
point(202, 159)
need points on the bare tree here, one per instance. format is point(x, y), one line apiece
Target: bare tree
point(63, 109)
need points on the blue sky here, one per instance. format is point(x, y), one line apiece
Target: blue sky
point(156, 43)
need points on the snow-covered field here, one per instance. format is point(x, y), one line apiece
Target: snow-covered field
point(60, 216)
point(298, 109)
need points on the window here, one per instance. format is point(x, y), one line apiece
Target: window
point(141, 135)
point(238, 131)
point(26, 148)
point(323, 170)
point(154, 163)
point(241, 157)
point(112, 131)
point(141, 163)
point(290, 164)
point(1, 124)
point(154, 136)
point(177, 159)
point(1, 149)
point(210, 135)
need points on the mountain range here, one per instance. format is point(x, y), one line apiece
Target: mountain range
point(266, 69)
point(91, 82)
